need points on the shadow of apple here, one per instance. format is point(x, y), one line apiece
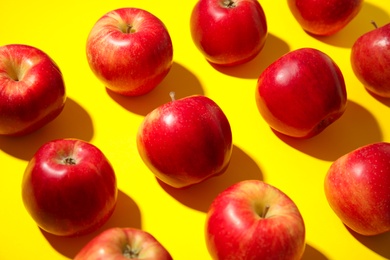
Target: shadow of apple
point(73, 122)
point(179, 79)
point(312, 253)
point(355, 128)
point(126, 214)
point(273, 49)
point(200, 196)
point(379, 243)
point(358, 26)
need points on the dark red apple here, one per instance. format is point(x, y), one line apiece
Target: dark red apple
point(357, 187)
point(186, 141)
point(69, 187)
point(324, 17)
point(228, 32)
point(370, 59)
point(32, 89)
point(301, 93)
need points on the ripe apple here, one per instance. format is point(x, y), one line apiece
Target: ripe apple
point(123, 243)
point(228, 32)
point(69, 187)
point(324, 17)
point(370, 59)
point(357, 187)
point(185, 141)
point(130, 51)
point(254, 220)
point(32, 89)
point(301, 93)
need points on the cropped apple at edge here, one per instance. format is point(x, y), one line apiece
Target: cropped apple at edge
point(32, 89)
point(357, 187)
point(185, 141)
point(130, 51)
point(301, 93)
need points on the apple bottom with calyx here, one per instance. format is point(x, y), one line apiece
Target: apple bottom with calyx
point(185, 141)
point(69, 187)
point(254, 220)
point(301, 93)
point(370, 60)
point(357, 187)
point(32, 89)
point(123, 243)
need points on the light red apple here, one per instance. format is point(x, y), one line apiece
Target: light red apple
point(130, 51)
point(32, 89)
point(186, 141)
point(357, 187)
point(254, 220)
point(324, 17)
point(69, 187)
point(228, 32)
point(301, 93)
point(370, 60)
point(123, 243)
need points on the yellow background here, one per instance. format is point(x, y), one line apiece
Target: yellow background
point(176, 217)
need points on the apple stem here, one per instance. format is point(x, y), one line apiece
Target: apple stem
point(130, 29)
point(375, 25)
point(130, 253)
point(69, 161)
point(172, 95)
point(266, 208)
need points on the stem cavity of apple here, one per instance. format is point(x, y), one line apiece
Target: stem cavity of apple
point(130, 28)
point(131, 253)
point(229, 3)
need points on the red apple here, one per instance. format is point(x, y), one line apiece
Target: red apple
point(122, 244)
point(32, 89)
point(301, 93)
point(186, 141)
point(130, 51)
point(254, 220)
point(228, 32)
point(324, 17)
point(69, 187)
point(357, 187)
point(370, 59)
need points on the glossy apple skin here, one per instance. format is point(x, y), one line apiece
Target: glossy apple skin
point(69, 187)
point(324, 17)
point(237, 226)
point(122, 244)
point(186, 141)
point(228, 32)
point(370, 60)
point(357, 187)
point(301, 93)
point(134, 61)
point(32, 89)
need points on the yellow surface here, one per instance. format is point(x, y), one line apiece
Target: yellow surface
point(176, 217)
